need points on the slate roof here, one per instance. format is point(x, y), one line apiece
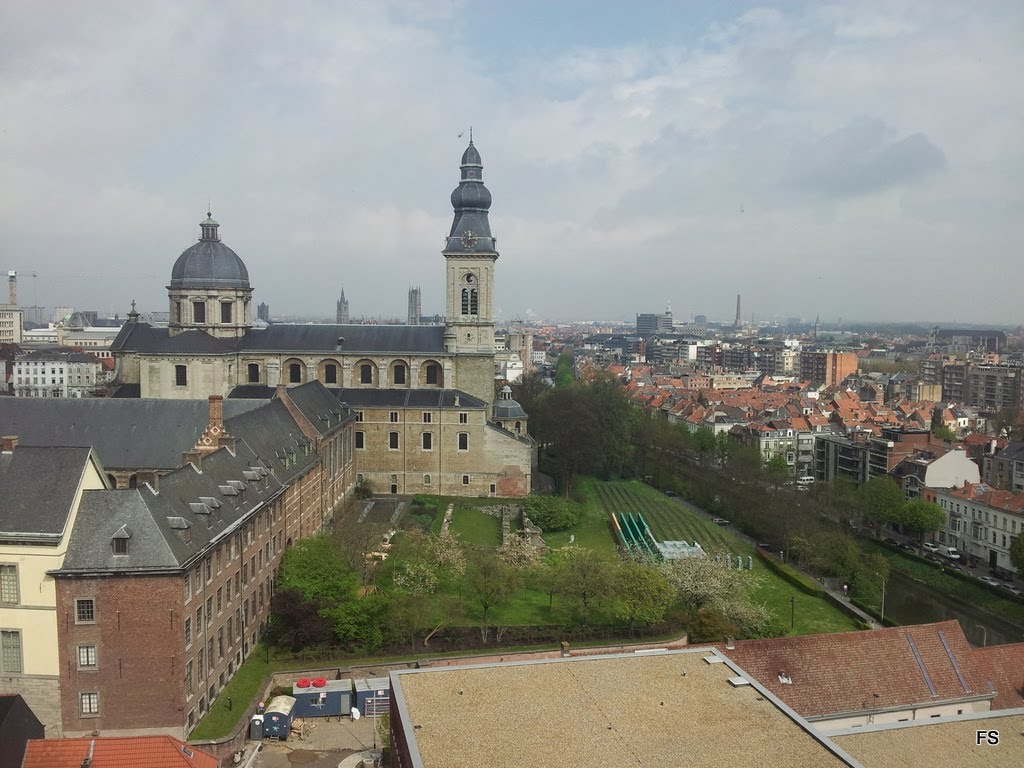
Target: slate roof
point(392, 339)
point(356, 397)
point(272, 435)
point(251, 391)
point(1013, 452)
point(116, 752)
point(39, 486)
point(314, 401)
point(862, 671)
point(168, 528)
point(126, 433)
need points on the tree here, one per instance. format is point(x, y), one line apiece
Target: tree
point(702, 582)
point(552, 513)
point(921, 517)
point(588, 580)
point(1017, 553)
point(1010, 423)
point(881, 499)
point(297, 623)
point(491, 582)
point(644, 594)
point(314, 568)
point(527, 390)
point(360, 542)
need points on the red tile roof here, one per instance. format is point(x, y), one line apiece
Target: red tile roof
point(1002, 667)
point(116, 752)
point(858, 671)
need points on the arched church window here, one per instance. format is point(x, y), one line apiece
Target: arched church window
point(253, 371)
point(433, 373)
point(366, 374)
point(330, 373)
point(295, 373)
point(399, 374)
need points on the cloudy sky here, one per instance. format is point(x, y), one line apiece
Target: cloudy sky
point(862, 160)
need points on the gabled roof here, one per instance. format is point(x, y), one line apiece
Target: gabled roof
point(116, 752)
point(1002, 669)
point(38, 487)
point(862, 671)
point(130, 434)
point(321, 408)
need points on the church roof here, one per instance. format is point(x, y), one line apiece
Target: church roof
point(209, 263)
point(392, 339)
point(356, 397)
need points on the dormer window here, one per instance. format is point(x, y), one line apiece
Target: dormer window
point(120, 546)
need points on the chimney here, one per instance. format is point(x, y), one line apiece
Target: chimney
point(12, 288)
point(195, 458)
point(217, 411)
point(8, 443)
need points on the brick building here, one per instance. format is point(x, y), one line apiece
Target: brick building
point(826, 368)
point(166, 587)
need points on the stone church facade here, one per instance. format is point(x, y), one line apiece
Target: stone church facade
point(212, 347)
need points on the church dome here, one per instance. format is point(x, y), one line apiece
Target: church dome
point(209, 263)
point(471, 196)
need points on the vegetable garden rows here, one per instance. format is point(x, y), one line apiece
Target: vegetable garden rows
point(668, 520)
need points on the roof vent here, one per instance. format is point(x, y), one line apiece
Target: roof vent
point(785, 679)
point(209, 501)
point(251, 475)
point(178, 523)
point(198, 508)
point(738, 681)
point(228, 490)
point(238, 484)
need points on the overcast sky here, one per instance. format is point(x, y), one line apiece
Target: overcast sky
point(861, 160)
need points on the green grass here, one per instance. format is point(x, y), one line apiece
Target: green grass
point(593, 531)
point(240, 690)
point(475, 527)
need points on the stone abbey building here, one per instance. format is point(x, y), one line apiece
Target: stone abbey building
point(423, 393)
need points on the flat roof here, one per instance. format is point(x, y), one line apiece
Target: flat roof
point(661, 708)
point(940, 742)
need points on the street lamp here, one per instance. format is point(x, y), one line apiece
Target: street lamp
point(882, 613)
point(984, 635)
point(792, 612)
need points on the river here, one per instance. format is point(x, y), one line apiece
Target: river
point(910, 602)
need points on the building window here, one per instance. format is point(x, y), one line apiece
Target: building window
point(360, 441)
point(465, 479)
point(177, 311)
point(188, 631)
point(199, 311)
point(85, 611)
point(426, 479)
point(188, 588)
point(294, 373)
point(426, 417)
point(9, 584)
point(87, 657)
point(89, 704)
point(463, 441)
point(433, 373)
point(399, 374)
point(366, 374)
point(331, 373)
point(393, 417)
point(393, 441)
point(428, 441)
point(253, 370)
point(473, 301)
point(10, 651)
point(189, 690)
point(463, 418)
point(181, 375)
point(121, 545)
point(225, 311)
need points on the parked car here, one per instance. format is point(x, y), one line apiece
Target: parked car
point(719, 521)
point(890, 540)
point(931, 546)
point(933, 557)
point(671, 494)
point(1012, 590)
point(906, 546)
point(990, 581)
point(949, 553)
point(1002, 574)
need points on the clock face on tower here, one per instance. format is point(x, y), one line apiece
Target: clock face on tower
point(468, 238)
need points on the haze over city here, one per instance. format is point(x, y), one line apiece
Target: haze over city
point(858, 160)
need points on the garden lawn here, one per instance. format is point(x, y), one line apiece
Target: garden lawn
point(240, 691)
point(475, 527)
point(593, 531)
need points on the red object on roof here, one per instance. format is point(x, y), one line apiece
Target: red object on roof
point(116, 752)
point(303, 682)
point(320, 682)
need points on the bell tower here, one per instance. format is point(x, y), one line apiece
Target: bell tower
point(469, 255)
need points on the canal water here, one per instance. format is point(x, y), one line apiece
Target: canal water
point(910, 602)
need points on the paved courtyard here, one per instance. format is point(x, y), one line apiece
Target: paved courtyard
point(327, 744)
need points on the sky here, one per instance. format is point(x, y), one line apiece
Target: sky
point(856, 160)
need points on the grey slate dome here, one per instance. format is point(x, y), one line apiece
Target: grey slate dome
point(471, 231)
point(209, 263)
point(507, 408)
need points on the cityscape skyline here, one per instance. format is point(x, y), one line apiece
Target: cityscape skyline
point(822, 160)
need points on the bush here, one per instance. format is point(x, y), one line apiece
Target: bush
point(552, 513)
point(709, 625)
point(791, 575)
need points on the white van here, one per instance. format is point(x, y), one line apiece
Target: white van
point(949, 553)
point(805, 480)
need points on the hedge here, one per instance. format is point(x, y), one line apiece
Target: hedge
point(793, 576)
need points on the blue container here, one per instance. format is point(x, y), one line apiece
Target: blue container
point(372, 695)
point(331, 700)
point(277, 718)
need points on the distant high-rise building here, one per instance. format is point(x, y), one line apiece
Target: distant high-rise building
point(263, 312)
point(415, 307)
point(648, 325)
point(700, 319)
point(342, 314)
point(739, 317)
